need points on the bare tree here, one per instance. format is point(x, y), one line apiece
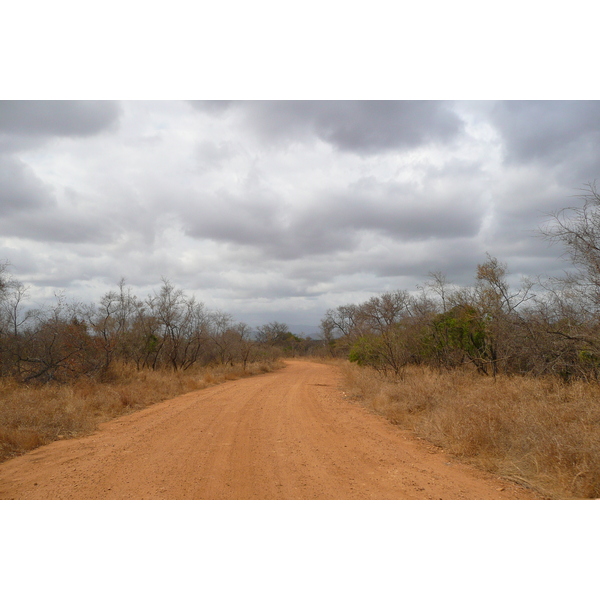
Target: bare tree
point(58, 345)
point(578, 230)
point(112, 321)
point(573, 301)
point(220, 335)
point(272, 334)
point(440, 286)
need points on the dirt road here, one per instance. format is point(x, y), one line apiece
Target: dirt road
point(286, 435)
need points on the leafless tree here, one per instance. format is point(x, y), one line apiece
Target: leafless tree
point(577, 229)
point(573, 301)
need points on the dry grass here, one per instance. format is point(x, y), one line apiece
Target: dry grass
point(540, 432)
point(32, 416)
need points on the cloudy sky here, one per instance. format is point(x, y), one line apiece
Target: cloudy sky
point(279, 210)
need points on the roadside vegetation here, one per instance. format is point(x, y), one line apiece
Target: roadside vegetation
point(67, 367)
point(505, 378)
point(537, 431)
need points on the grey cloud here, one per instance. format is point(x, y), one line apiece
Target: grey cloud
point(258, 222)
point(57, 226)
point(336, 220)
point(62, 265)
point(12, 143)
point(77, 118)
point(227, 217)
point(212, 156)
point(406, 263)
point(375, 125)
point(522, 199)
point(29, 209)
point(362, 127)
point(402, 212)
point(310, 238)
point(548, 130)
point(271, 289)
point(448, 203)
point(456, 258)
point(20, 189)
point(579, 165)
point(60, 270)
point(214, 107)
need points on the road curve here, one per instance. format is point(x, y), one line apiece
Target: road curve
point(290, 434)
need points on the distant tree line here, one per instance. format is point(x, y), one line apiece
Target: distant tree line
point(168, 329)
point(546, 327)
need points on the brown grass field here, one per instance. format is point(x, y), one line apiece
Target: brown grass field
point(31, 416)
point(539, 432)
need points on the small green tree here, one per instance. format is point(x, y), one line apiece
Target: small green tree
point(459, 335)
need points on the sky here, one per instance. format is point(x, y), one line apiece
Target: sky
point(279, 210)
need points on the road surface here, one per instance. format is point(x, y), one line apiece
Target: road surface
point(290, 434)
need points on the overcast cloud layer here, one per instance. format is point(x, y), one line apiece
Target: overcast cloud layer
point(280, 210)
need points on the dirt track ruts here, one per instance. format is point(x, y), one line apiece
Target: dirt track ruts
point(290, 434)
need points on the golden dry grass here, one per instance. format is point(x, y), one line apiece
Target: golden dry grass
point(537, 431)
point(31, 416)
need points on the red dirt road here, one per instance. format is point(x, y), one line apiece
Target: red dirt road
point(290, 434)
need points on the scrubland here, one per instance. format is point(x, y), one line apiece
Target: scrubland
point(34, 415)
point(540, 432)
